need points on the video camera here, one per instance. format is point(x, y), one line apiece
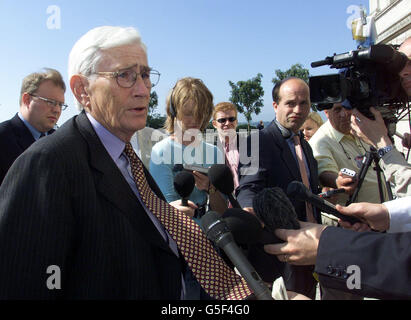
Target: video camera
point(369, 77)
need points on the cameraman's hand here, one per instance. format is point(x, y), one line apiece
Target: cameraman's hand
point(373, 132)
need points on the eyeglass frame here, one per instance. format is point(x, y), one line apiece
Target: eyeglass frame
point(55, 103)
point(115, 74)
point(230, 119)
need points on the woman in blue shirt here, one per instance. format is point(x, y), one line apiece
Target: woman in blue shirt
point(189, 110)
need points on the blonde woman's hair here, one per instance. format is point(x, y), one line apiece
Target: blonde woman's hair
point(189, 90)
point(314, 116)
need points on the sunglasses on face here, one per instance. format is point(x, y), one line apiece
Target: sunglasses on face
point(223, 120)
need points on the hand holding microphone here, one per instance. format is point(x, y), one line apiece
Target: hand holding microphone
point(184, 185)
point(222, 179)
point(299, 191)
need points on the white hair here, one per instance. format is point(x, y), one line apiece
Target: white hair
point(86, 52)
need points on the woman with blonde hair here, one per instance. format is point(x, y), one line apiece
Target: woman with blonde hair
point(311, 125)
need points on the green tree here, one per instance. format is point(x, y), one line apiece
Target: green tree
point(154, 119)
point(296, 70)
point(248, 97)
point(152, 105)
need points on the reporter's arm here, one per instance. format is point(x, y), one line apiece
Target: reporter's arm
point(382, 259)
point(397, 171)
point(399, 214)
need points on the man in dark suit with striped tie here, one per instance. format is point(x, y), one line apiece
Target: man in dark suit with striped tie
point(41, 103)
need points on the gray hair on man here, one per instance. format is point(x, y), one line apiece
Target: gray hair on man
point(86, 52)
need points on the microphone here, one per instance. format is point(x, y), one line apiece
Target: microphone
point(330, 193)
point(184, 184)
point(221, 177)
point(178, 168)
point(274, 208)
point(298, 190)
point(217, 231)
point(248, 233)
point(245, 227)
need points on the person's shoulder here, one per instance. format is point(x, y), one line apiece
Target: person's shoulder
point(65, 142)
point(6, 126)
point(323, 134)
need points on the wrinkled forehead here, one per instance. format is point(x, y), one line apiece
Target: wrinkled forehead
point(123, 57)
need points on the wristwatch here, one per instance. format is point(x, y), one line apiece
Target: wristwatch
point(382, 151)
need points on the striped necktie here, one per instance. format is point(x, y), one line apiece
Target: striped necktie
point(304, 176)
point(217, 279)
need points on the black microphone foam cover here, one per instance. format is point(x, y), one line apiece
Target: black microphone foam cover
point(221, 177)
point(297, 189)
point(184, 183)
point(178, 167)
point(244, 226)
point(273, 207)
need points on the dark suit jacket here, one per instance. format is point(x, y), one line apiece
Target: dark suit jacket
point(277, 168)
point(64, 202)
point(15, 137)
point(384, 262)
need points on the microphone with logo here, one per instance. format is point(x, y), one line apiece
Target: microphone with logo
point(221, 177)
point(297, 190)
point(184, 184)
point(217, 231)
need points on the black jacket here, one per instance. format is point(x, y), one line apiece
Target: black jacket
point(64, 202)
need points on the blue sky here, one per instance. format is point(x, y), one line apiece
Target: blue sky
point(214, 40)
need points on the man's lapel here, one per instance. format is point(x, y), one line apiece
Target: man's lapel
point(111, 184)
point(23, 135)
point(285, 151)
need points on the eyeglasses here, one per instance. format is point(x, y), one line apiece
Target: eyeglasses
point(223, 120)
point(127, 78)
point(51, 102)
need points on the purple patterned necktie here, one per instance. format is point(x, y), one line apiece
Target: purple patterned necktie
point(217, 279)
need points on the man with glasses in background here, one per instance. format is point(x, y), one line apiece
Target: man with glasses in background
point(41, 103)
